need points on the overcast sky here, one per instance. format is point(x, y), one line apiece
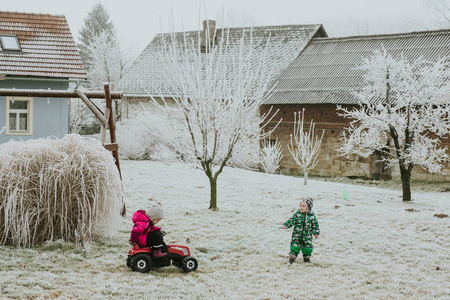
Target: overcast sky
point(137, 21)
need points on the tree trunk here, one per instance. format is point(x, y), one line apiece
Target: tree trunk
point(406, 185)
point(305, 176)
point(213, 188)
point(118, 110)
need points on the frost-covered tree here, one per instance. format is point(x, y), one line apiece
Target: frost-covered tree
point(96, 22)
point(101, 52)
point(106, 60)
point(270, 156)
point(440, 11)
point(107, 63)
point(304, 146)
point(404, 114)
point(217, 93)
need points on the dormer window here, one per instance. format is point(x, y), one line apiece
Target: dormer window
point(9, 43)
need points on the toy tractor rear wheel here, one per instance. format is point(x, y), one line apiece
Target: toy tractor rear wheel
point(141, 262)
point(189, 264)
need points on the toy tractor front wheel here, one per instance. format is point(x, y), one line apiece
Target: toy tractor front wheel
point(141, 262)
point(189, 264)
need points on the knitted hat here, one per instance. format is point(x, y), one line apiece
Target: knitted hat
point(309, 204)
point(155, 212)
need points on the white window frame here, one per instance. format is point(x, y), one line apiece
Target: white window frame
point(28, 111)
point(5, 47)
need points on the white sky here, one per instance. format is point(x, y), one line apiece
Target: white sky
point(137, 21)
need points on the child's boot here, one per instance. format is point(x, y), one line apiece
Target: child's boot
point(157, 253)
point(306, 259)
point(292, 258)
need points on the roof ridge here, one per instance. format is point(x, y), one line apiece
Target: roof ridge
point(28, 13)
point(379, 36)
point(289, 26)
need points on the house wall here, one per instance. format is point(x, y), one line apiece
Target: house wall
point(330, 163)
point(50, 115)
point(133, 106)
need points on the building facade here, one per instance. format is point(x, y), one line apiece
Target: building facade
point(323, 77)
point(37, 51)
point(146, 78)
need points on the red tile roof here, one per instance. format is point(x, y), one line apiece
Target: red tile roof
point(48, 48)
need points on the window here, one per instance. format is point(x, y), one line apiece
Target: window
point(19, 118)
point(10, 43)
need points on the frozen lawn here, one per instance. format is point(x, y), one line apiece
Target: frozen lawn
point(370, 247)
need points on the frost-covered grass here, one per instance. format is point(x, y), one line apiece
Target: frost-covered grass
point(54, 189)
point(370, 247)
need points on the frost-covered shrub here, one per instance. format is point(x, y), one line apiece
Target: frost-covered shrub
point(163, 153)
point(245, 154)
point(146, 137)
point(49, 188)
point(270, 156)
point(132, 140)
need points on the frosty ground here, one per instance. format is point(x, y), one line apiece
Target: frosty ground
point(372, 246)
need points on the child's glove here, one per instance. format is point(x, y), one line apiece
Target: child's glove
point(163, 233)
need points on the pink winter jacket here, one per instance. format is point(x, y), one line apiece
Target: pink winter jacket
point(142, 227)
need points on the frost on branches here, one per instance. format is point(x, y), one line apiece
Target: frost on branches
point(304, 146)
point(217, 93)
point(404, 114)
point(270, 155)
point(106, 60)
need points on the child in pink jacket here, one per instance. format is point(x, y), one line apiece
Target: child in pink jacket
point(145, 233)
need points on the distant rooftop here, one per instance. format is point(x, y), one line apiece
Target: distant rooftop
point(146, 74)
point(325, 71)
point(47, 48)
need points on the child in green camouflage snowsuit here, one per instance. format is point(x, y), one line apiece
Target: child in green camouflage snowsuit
point(305, 226)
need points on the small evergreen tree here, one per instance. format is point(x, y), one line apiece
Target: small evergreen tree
point(101, 53)
point(96, 22)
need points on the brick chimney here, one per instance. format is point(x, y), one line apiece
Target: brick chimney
point(209, 29)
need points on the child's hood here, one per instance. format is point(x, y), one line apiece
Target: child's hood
point(140, 216)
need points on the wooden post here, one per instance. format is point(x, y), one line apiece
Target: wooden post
point(112, 127)
point(112, 134)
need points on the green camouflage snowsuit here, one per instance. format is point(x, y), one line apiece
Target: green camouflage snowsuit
point(305, 226)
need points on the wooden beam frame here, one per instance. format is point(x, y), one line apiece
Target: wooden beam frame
point(106, 118)
point(57, 93)
point(97, 112)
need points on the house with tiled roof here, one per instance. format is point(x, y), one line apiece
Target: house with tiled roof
point(37, 51)
point(323, 76)
point(146, 77)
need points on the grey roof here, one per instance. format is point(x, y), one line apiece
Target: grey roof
point(325, 70)
point(146, 75)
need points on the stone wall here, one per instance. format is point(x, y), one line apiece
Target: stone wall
point(330, 163)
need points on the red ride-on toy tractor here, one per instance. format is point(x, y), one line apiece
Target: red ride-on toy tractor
point(140, 259)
